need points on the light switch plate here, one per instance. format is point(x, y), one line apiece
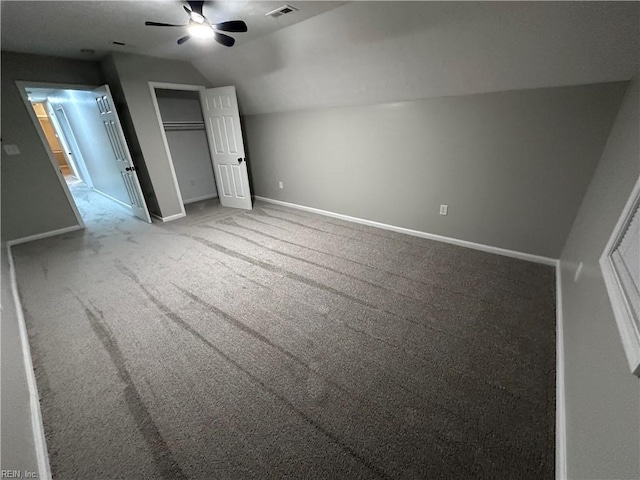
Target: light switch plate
point(12, 149)
point(444, 209)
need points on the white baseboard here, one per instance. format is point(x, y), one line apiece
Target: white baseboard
point(39, 440)
point(40, 236)
point(125, 205)
point(199, 199)
point(561, 419)
point(169, 218)
point(416, 233)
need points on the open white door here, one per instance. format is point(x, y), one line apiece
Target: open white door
point(122, 156)
point(222, 121)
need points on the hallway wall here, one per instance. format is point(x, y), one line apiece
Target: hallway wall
point(91, 136)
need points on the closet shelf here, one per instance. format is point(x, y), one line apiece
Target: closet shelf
point(183, 125)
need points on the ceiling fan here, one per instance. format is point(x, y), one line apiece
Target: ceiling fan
point(200, 27)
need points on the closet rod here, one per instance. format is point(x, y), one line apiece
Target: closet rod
point(183, 125)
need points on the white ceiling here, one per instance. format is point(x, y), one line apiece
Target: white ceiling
point(64, 28)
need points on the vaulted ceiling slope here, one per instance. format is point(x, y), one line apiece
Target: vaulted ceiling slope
point(378, 52)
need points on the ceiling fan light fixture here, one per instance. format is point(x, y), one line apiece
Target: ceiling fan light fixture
point(196, 17)
point(200, 27)
point(201, 30)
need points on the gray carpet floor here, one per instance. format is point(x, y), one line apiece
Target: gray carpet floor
point(277, 343)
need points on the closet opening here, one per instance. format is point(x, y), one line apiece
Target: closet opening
point(180, 116)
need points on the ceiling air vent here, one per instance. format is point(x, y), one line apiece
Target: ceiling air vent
point(278, 12)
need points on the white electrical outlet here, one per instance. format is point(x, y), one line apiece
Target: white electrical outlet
point(444, 209)
point(280, 184)
point(576, 276)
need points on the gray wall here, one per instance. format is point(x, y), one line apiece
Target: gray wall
point(192, 163)
point(129, 76)
point(89, 131)
point(602, 396)
point(512, 166)
point(33, 200)
point(18, 448)
point(189, 148)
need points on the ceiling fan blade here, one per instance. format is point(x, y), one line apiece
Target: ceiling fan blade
point(160, 24)
point(232, 26)
point(183, 39)
point(223, 39)
point(196, 6)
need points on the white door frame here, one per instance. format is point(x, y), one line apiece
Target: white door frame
point(22, 88)
point(156, 107)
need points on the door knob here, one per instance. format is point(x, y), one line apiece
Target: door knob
point(131, 169)
point(240, 160)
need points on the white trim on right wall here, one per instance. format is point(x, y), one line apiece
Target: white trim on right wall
point(417, 233)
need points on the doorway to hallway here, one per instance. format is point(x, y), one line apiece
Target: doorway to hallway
point(81, 131)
